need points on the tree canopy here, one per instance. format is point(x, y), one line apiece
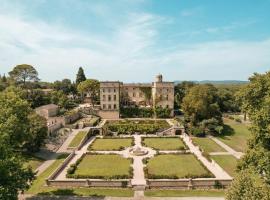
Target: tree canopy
point(255, 98)
point(90, 87)
point(200, 103)
point(80, 76)
point(23, 73)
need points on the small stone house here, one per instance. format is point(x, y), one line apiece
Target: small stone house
point(46, 111)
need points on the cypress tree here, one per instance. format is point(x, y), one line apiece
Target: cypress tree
point(80, 76)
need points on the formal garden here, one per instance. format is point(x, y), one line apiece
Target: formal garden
point(111, 144)
point(101, 166)
point(175, 166)
point(137, 126)
point(164, 143)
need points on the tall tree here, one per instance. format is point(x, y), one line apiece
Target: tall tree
point(180, 90)
point(90, 87)
point(37, 133)
point(200, 103)
point(80, 76)
point(255, 98)
point(23, 73)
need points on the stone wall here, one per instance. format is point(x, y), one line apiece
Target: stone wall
point(200, 183)
point(109, 114)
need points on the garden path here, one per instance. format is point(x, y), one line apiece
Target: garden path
point(78, 154)
point(236, 154)
point(62, 149)
point(211, 166)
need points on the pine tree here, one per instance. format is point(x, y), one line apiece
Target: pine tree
point(80, 76)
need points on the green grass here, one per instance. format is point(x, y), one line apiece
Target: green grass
point(227, 162)
point(235, 135)
point(207, 145)
point(184, 193)
point(100, 192)
point(176, 166)
point(110, 144)
point(103, 166)
point(165, 143)
point(38, 186)
point(32, 161)
point(77, 139)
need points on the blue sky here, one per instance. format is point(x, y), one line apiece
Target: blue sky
point(132, 41)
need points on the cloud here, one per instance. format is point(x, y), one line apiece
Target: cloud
point(132, 50)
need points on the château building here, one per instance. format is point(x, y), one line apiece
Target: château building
point(114, 94)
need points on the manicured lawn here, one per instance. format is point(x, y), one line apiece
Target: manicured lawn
point(227, 162)
point(38, 186)
point(165, 143)
point(236, 135)
point(207, 145)
point(39, 183)
point(100, 192)
point(176, 166)
point(32, 161)
point(110, 144)
point(184, 193)
point(77, 139)
point(104, 166)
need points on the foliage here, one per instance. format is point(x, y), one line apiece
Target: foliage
point(197, 131)
point(24, 72)
point(80, 77)
point(248, 186)
point(255, 101)
point(201, 102)
point(136, 112)
point(212, 126)
point(180, 90)
point(91, 88)
point(14, 177)
point(131, 127)
point(147, 91)
point(65, 85)
point(20, 127)
point(14, 121)
point(163, 112)
point(37, 132)
point(227, 99)
point(60, 99)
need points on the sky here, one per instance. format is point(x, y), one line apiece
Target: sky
point(132, 41)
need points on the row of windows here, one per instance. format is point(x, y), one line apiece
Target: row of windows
point(109, 98)
point(109, 90)
point(109, 106)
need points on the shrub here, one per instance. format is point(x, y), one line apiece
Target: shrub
point(197, 131)
point(237, 119)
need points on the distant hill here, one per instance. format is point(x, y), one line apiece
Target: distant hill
point(221, 82)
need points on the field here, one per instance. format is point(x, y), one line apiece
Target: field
point(165, 143)
point(207, 145)
point(103, 166)
point(227, 162)
point(176, 166)
point(235, 135)
point(77, 139)
point(110, 144)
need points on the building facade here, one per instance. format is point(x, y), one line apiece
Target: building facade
point(114, 94)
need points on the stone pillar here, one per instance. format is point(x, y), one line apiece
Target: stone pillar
point(190, 184)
